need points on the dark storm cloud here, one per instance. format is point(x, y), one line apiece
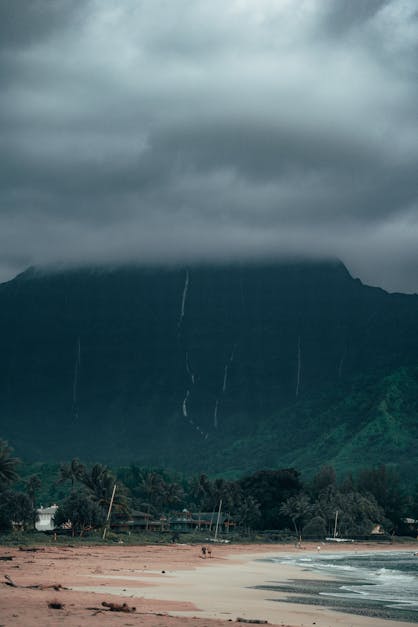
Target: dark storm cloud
point(23, 22)
point(343, 15)
point(180, 130)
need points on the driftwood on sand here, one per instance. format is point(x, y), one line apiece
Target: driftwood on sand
point(40, 586)
point(255, 621)
point(118, 607)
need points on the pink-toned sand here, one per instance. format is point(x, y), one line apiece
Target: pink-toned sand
point(167, 584)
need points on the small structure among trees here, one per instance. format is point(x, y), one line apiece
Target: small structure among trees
point(45, 518)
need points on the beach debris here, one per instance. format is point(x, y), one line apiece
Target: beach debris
point(95, 609)
point(56, 605)
point(118, 607)
point(6, 558)
point(31, 549)
point(125, 608)
point(40, 586)
point(254, 621)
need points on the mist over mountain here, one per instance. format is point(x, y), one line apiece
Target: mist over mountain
point(215, 368)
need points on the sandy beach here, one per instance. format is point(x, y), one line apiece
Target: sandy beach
point(167, 584)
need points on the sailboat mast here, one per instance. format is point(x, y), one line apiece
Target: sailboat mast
point(217, 520)
point(109, 511)
point(335, 524)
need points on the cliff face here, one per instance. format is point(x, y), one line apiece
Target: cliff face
point(206, 368)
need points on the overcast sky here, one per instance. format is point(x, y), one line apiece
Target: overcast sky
point(202, 129)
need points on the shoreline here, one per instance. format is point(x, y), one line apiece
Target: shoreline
point(170, 585)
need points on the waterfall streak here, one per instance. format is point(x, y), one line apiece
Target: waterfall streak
point(226, 368)
point(186, 398)
point(224, 384)
point(225, 378)
point(215, 415)
point(189, 370)
point(184, 298)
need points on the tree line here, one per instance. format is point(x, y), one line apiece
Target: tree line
point(266, 500)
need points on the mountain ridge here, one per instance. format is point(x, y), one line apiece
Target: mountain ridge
point(156, 363)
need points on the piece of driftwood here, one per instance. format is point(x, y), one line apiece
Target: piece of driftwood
point(97, 610)
point(51, 586)
point(254, 621)
point(6, 558)
point(40, 586)
point(9, 582)
point(118, 607)
point(56, 605)
point(31, 549)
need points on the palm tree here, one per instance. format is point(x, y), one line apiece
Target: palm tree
point(297, 508)
point(73, 471)
point(32, 486)
point(173, 494)
point(200, 490)
point(8, 464)
point(151, 487)
point(228, 491)
point(249, 514)
point(100, 482)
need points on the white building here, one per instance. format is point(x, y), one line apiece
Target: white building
point(45, 520)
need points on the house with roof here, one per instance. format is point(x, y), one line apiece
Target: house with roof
point(186, 521)
point(45, 518)
point(137, 521)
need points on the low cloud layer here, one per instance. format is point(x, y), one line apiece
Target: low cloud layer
point(152, 130)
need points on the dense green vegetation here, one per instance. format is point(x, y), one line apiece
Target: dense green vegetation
point(278, 502)
point(221, 370)
point(373, 419)
point(14, 505)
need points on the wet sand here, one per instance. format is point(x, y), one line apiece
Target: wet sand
point(168, 585)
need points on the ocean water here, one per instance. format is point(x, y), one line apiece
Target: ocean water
point(378, 584)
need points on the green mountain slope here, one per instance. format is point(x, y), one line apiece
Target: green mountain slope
point(372, 422)
point(221, 369)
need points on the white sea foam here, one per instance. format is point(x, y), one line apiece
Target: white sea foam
point(388, 578)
